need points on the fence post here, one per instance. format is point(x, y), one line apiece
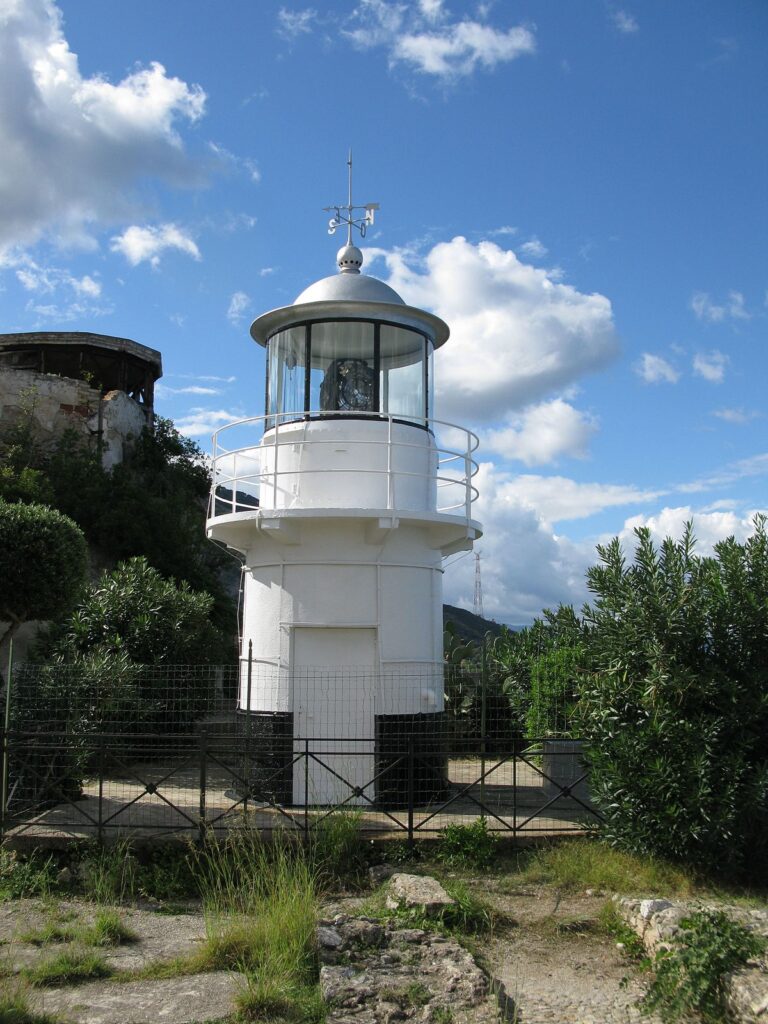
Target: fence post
point(483, 720)
point(248, 727)
point(100, 827)
point(203, 780)
point(411, 750)
point(6, 727)
point(514, 788)
point(306, 789)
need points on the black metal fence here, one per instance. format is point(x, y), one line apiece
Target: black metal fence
point(151, 750)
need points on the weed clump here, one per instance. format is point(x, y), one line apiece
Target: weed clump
point(70, 967)
point(590, 864)
point(691, 976)
point(467, 846)
point(15, 1008)
point(24, 877)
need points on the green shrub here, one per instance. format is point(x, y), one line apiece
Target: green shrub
point(22, 877)
point(467, 846)
point(43, 563)
point(690, 977)
point(675, 709)
point(554, 691)
point(336, 848)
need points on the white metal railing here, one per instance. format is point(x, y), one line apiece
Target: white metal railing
point(241, 471)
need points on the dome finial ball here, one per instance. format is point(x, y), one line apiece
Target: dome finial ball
point(349, 259)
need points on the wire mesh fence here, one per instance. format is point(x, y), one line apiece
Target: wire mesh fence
point(153, 749)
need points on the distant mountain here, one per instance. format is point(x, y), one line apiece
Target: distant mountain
point(468, 625)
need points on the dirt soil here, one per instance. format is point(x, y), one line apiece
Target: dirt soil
point(552, 960)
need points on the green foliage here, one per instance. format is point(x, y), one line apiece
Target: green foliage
point(675, 709)
point(614, 925)
point(107, 929)
point(690, 977)
point(555, 677)
point(15, 1008)
point(72, 966)
point(43, 562)
point(28, 485)
point(532, 664)
point(577, 864)
point(22, 877)
point(460, 689)
point(261, 908)
point(336, 848)
point(151, 504)
point(475, 701)
point(110, 873)
point(132, 610)
point(467, 846)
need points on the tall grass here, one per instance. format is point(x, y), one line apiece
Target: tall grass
point(336, 848)
point(110, 873)
point(260, 905)
point(589, 864)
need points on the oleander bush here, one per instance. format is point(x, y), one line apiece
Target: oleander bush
point(674, 708)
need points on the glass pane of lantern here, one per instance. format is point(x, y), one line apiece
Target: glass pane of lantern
point(342, 374)
point(401, 383)
point(430, 379)
point(286, 373)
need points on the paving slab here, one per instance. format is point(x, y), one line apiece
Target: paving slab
point(196, 999)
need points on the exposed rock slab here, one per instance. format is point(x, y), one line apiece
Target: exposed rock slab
point(159, 936)
point(194, 999)
point(381, 974)
point(417, 891)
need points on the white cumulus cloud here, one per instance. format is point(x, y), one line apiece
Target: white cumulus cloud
point(427, 40)
point(238, 306)
point(534, 248)
point(655, 370)
point(517, 333)
point(710, 365)
point(74, 147)
point(46, 280)
point(138, 244)
point(558, 498)
point(202, 422)
point(738, 416)
point(712, 312)
point(542, 433)
point(708, 527)
point(292, 24)
point(625, 22)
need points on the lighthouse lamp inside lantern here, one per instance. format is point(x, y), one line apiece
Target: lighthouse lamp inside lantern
point(367, 368)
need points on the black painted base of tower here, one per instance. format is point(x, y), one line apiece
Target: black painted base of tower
point(266, 740)
point(410, 763)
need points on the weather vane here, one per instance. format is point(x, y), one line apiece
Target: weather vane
point(345, 214)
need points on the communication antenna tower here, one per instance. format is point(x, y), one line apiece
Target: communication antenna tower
point(477, 605)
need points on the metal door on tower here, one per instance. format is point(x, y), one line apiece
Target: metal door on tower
point(334, 685)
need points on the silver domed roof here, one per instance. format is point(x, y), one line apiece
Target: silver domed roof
point(349, 288)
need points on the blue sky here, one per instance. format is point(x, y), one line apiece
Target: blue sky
point(577, 187)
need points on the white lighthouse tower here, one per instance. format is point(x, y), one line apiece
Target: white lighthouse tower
point(343, 499)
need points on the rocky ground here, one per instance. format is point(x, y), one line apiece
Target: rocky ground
point(549, 961)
